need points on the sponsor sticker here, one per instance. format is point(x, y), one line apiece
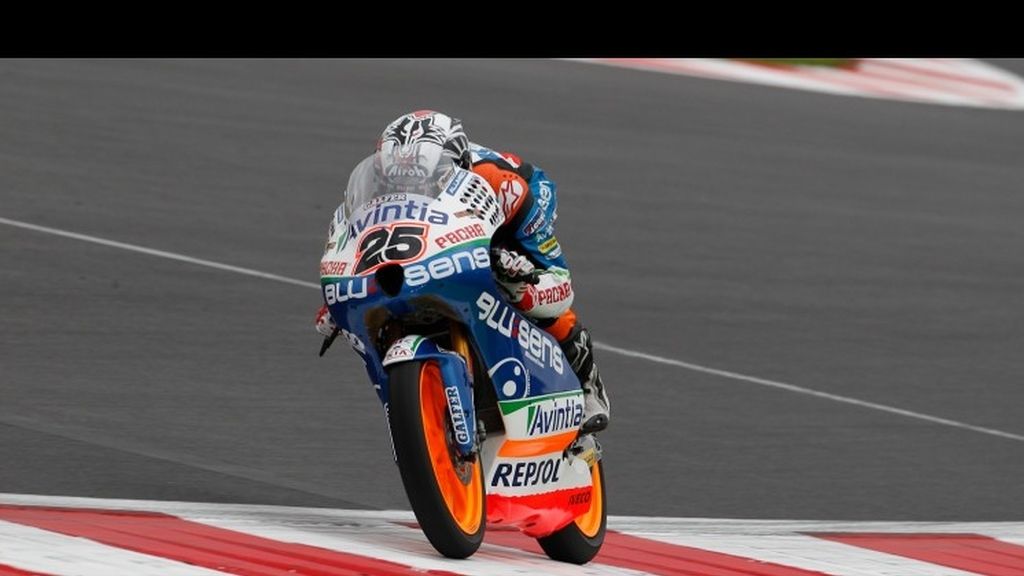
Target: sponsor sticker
point(544, 195)
point(457, 414)
point(534, 225)
point(447, 265)
point(580, 498)
point(389, 212)
point(406, 172)
point(538, 416)
point(549, 245)
point(403, 349)
point(538, 347)
point(344, 290)
point(383, 199)
point(554, 294)
point(531, 473)
point(455, 182)
point(557, 415)
point(333, 268)
point(511, 378)
point(460, 235)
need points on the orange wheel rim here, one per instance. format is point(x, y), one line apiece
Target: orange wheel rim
point(463, 494)
point(589, 523)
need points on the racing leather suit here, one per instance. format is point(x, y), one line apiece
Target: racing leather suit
point(529, 201)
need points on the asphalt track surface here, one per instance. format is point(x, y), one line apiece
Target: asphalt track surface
point(858, 247)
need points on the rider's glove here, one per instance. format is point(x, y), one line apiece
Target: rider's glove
point(513, 270)
point(513, 267)
point(535, 292)
point(324, 323)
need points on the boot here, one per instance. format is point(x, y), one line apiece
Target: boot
point(580, 353)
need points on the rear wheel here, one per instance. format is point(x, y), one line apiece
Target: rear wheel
point(579, 541)
point(446, 494)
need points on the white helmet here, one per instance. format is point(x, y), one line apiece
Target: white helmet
point(428, 134)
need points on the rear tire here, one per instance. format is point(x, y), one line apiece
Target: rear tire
point(446, 494)
point(580, 540)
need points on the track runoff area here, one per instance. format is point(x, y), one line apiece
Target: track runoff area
point(101, 537)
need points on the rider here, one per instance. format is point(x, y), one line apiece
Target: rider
point(526, 243)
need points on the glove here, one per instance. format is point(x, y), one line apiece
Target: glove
point(538, 293)
point(324, 323)
point(513, 267)
point(512, 270)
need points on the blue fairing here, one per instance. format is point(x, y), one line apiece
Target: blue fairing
point(523, 360)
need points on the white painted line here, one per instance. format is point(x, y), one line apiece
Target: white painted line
point(36, 550)
point(809, 553)
point(132, 445)
point(157, 253)
point(598, 345)
point(808, 391)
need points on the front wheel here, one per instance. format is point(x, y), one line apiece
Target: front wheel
point(446, 494)
point(580, 540)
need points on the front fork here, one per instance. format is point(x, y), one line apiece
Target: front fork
point(456, 370)
point(460, 344)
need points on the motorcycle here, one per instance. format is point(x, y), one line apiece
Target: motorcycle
point(483, 409)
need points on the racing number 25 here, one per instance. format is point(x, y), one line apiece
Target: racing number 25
point(390, 244)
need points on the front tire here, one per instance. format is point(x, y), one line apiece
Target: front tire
point(446, 494)
point(580, 540)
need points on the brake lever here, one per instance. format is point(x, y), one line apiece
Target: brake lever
point(328, 340)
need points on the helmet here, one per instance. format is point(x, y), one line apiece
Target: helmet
point(426, 132)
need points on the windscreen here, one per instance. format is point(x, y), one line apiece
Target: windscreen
point(378, 176)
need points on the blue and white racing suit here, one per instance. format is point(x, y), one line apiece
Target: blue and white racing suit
point(529, 201)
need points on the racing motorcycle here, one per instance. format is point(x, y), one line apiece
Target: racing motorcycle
point(483, 408)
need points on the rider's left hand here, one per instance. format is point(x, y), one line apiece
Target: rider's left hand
point(512, 270)
point(513, 266)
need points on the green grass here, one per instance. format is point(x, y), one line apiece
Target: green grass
point(827, 62)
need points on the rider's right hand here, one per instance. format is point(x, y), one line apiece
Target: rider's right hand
point(324, 323)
